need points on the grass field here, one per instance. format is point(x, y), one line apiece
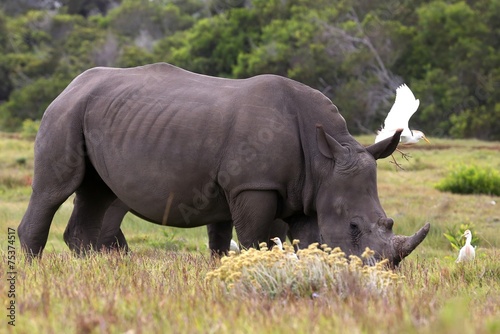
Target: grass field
point(161, 286)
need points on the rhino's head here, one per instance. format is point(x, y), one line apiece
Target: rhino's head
point(349, 212)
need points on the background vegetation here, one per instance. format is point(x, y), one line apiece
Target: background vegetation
point(470, 179)
point(356, 52)
point(161, 286)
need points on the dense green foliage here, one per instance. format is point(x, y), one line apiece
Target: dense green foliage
point(456, 236)
point(356, 52)
point(470, 179)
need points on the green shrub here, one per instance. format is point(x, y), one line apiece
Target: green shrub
point(471, 179)
point(29, 128)
point(457, 239)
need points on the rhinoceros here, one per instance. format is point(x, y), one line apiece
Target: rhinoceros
point(184, 149)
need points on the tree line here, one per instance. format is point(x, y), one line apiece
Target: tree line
point(354, 51)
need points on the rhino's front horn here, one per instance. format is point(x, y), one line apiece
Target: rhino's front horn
point(403, 245)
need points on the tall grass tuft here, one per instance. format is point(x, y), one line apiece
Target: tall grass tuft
point(471, 179)
point(282, 273)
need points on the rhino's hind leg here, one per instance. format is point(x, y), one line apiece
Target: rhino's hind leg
point(219, 237)
point(111, 237)
point(58, 172)
point(253, 213)
point(93, 198)
point(35, 225)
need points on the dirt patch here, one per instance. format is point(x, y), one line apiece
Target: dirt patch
point(427, 147)
point(492, 148)
point(438, 147)
point(447, 147)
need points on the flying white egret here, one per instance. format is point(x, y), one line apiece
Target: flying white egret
point(467, 252)
point(399, 116)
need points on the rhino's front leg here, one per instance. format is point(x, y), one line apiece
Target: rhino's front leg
point(305, 229)
point(219, 237)
point(279, 229)
point(253, 213)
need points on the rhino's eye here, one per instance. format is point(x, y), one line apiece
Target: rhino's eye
point(355, 233)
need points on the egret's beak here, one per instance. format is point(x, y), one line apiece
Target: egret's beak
point(427, 140)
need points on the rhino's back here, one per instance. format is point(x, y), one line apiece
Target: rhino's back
point(160, 108)
point(157, 129)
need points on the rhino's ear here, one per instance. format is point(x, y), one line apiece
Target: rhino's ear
point(385, 147)
point(327, 145)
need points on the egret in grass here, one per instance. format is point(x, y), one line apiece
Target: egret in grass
point(399, 116)
point(279, 244)
point(233, 246)
point(467, 252)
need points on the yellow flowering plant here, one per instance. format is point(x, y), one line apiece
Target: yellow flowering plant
point(277, 272)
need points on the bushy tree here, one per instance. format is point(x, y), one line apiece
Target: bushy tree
point(30, 101)
point(155, 18)
point(213, 44)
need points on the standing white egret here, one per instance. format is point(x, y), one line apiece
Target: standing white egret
point(233, 246)
point(278, 242)
point(399, 116)
point(467, 252)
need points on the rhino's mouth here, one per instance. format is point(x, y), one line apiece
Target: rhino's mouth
point(400, 246)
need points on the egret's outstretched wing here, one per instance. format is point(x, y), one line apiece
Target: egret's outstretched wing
point(398, 117)
point(404, 107)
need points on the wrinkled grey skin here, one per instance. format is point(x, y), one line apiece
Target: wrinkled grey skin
point(186, 150)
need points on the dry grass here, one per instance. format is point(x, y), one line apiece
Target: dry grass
point(166, 292)
point(158, 290)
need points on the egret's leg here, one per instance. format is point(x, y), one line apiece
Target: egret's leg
point(397, 164)
point(406, 156)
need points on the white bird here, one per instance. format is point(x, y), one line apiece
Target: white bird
point(279, 244)
point(399, 116)
point(233, 246)
point(467, 252)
